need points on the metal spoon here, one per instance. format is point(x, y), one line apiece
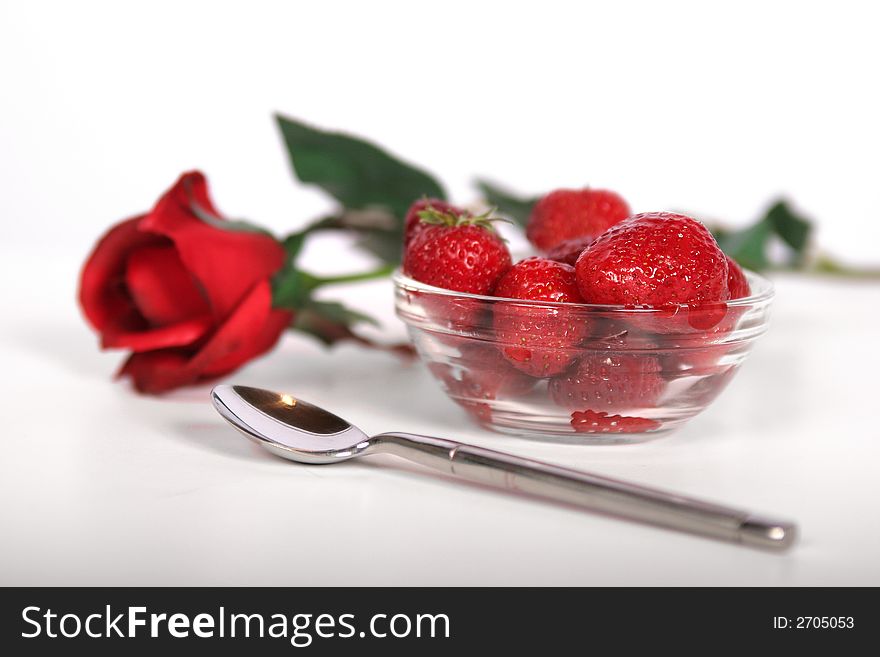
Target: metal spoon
point(296, 430)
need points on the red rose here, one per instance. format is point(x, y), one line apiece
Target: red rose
point(190, 299)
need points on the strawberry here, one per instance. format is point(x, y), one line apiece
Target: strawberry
point(654, 259)
point(456, 251)
point(413, 223)
point(539, 279)
point(691, 359)
point(485, 374)
point(539, 340)
point(569, 250)
point(480, 375)
point(737, 284)
point(593, 422)
point(609, 376)
point(702, 353)
point(568, 213)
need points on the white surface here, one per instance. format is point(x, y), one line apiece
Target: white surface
point(101, 486)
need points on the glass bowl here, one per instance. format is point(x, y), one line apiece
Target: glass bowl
point(583, 372)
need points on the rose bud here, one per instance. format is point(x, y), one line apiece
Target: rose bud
point(188, 296)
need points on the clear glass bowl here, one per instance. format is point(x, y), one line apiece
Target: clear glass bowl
point(583, 372)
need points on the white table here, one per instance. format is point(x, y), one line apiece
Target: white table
point(101, 486)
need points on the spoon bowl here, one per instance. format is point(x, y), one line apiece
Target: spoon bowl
point(287, 426)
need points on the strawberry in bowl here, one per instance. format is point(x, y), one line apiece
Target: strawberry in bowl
point(607, 337)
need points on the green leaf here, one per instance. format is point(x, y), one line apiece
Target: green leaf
point(517, 208)
point(292, 288)
point(293, 244)
point(357, 173)
point(792, 228)
point(339, 313)
point(747, 246)
point(750, 246)
point(331, 322)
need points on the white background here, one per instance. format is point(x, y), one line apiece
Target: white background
point(711, 108)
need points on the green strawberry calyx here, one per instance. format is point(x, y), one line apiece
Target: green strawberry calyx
point(435, 217)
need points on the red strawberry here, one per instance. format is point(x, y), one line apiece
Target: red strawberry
point(593, 422)
point(462, 392)
point(568, 213)
point(479, 375)
point(539, 279)
point(569, 250)
point(485, 374)
point(699, 353)
point(413, 223)
point(655, 259)
point(456, 252)
point(693, 358)
point(737, 284)
point(540, 341)
point(609, 376)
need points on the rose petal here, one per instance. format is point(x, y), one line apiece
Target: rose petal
point(102, 292)
point(162, 289)
point(158, 371)
point(227, 263)
point(274, 326)
point(251, 330)
point(175, 335)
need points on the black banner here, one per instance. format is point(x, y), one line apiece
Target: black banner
point(115, 621)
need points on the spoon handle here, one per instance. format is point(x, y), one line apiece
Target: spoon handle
point(589, 491)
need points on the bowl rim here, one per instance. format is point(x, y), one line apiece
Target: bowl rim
point(765, 294)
